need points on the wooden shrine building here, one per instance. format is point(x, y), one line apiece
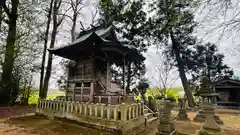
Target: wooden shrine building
point(92, 54)
point(229, 92)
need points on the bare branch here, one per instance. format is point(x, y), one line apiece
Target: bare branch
point(4, 6)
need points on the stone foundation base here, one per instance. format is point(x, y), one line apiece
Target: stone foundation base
point(182, 115)
point(202, 118)
point(174, 132)
point(208, 133)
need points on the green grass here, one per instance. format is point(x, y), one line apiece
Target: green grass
point(155, 91)
point(174, 92)
point(52, 94)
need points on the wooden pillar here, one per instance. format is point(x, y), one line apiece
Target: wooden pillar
point(123, 78)
point(109, 99)
point(99, 99)
point(91, 92)
point(96, 110)
point(74, 95)
point(66, 91)
point(82, 85)
point(108, 74)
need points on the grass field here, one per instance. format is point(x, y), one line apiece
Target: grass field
point(173, 92)
point(51, 95)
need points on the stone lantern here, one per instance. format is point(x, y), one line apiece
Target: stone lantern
point(166, 124)
point(208, 96)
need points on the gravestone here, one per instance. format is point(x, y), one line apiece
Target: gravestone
point(166, 124)
point(207, 95)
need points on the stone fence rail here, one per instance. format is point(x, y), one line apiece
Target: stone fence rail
point(75, 110)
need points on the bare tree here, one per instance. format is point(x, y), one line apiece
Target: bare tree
point(76, 7)
point(49, 15)
point(166, 75)
point(57, 20)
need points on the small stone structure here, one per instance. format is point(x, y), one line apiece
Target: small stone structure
point(205, 109)
point(210, 127)
point(124, 118)
point(166, 124)
point(182, 114)
point(208, 96)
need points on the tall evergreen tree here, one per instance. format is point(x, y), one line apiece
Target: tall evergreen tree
point(206, 59)
point(6, 82)
point(130, 19)
point(173, 25)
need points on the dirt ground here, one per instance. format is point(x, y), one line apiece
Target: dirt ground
point(31, 125)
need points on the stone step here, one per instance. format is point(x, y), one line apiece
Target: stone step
point(148, 115)
point(145, 111)
point(152, 119)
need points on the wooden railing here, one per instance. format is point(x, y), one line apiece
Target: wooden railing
point(109, 99)
point(74, 110)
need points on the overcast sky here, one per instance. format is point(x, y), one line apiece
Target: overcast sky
point(209, 18)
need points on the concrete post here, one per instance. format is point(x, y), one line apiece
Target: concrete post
point(68, 107)
point(115, 113)
point(96, 109)
point(102, 110)
point(76, 107)
point(57, 106)
point(72, 106)
point(129, 107)
point(108, 112)
point(123, 112)
point(80, 108)
point(91, 109)
point(86, 109)
point(137, 110)
point(134, 110)
point(61, 106)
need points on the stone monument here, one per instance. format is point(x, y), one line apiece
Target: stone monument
point(182, 114)
point(208, 96)
point(210, 127)
point(165, 122)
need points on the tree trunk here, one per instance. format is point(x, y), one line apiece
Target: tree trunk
point(41, 91)
point(128, 78)
point(53, 37)
point(1, 18)
point(73, 26)
point(7, 80)
point(181, 70)
point(29, 90)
